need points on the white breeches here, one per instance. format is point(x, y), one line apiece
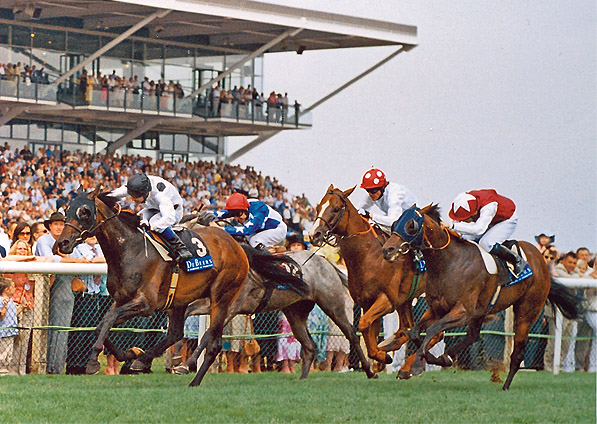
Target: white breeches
point(159, 222)
point(269, 237)
point(496, 234)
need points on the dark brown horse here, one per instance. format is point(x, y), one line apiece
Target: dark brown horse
point(139, 278)
point(325, 288)
point(462, 292)
point(376, 285)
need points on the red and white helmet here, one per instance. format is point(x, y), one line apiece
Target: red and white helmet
point(464, 206)
point(237, 201)
point(374, 178)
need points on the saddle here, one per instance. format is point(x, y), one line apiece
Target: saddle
point(495, 265)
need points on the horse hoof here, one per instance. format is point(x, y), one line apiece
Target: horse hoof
point(92, 368)
point(404, 375)
point(138, 366)
point(446, 360)
point(416, 371)
point(181, 370)
point(134, 353)
point(374, 376)
point(388, 359)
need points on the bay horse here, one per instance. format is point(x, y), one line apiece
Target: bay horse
point(378, 286)
point(139, 278)
point(461, 292)
point(325, 287)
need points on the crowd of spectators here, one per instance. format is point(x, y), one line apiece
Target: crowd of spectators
point(35, 184)
point(27, 74)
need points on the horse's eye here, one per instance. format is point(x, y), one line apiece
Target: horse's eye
point(411, 228)
point(83, 213)
point(335, 209)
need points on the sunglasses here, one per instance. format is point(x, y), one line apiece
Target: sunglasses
point(549, 257)
point(25, 233)
point(373, 190)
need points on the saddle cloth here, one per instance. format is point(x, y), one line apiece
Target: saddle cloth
point(492, 263)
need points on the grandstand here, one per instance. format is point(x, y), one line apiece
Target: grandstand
point(140, 76)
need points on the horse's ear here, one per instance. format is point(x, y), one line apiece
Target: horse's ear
point(349, 191)
point(94, 193)
point(331, 187)
point(425, 209)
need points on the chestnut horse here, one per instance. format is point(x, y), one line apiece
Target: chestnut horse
point(139, 278)
point(378, 286)
point(462, 292)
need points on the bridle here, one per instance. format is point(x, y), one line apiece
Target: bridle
point(83, 234)
point(329, 237)
point(419, 240)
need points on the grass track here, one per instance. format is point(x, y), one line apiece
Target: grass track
point(436, 397)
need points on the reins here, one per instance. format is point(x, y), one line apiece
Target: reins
point(84, 234)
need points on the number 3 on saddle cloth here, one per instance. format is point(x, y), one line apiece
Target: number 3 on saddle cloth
point(202, 259)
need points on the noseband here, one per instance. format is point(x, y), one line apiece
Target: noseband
point(86, 233)
point(419, 240)
point(327, 237)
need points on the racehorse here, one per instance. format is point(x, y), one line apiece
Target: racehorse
point(325, 288)
point(376, 285)
point(139, 278)
point(461, 291)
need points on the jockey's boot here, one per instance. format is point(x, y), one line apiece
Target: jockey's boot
point(510, 256)
point(177, 249)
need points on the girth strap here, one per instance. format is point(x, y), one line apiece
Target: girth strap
point(172, 289)
point(267, 295)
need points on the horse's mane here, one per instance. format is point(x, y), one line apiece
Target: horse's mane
point(129, 218)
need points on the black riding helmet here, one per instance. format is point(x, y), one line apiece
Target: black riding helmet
point(138, 185)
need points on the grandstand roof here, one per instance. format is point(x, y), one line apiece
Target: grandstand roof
point(234, 26)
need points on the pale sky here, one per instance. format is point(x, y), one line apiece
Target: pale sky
point(496, 95)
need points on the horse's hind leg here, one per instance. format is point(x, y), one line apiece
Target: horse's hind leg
point(472, 335)
point(174, 334)
point(297, 315)
point(522, 326)
point(338, 315)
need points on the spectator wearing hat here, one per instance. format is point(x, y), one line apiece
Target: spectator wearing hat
point(62, 298)
point(543, 241)
point(295, 242)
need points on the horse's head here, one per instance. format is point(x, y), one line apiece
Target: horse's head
point(408, 232)
point(331, 215)
point(81, 221)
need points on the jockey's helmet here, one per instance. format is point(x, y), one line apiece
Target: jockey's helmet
point(374, 178)
point(237, 202)
point(464, 206)
point(138, 185)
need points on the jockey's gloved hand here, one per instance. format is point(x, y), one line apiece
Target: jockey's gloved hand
point(364, 213)
point(205, 217)
point(144, 225)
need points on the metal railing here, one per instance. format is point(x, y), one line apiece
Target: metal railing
point(26, 90)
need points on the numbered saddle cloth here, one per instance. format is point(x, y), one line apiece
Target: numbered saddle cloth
point(201, 258)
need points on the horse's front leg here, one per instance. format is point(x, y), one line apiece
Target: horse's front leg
point(457, 317)
point(369, 325)
point(115, 316)
point(406, 322)
point(174, 334)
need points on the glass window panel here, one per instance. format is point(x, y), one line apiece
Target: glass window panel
point(48, 62)
point(83, 43)
point(4, 32)
point(195, 145)
point(153, 52)
point(123, 50)
point(48, 39)
point(181, 142)
point(37, 130)
point(108, 65)
point(21, 36)
point(19, 129)
point(71, 133)
point(54, 131)
point(180, 74)
point(166, 142)
point(87, 134)
point(5, 131)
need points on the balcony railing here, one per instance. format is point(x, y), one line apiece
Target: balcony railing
point(253, 111)
point(125, 100)
point(27, 91)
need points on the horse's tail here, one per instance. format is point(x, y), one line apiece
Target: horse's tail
point(566, 300)
point(270, 268)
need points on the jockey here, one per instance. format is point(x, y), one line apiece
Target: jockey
point(260, 224)
point(162, 209)
point(391, 198)
point(487, 218)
